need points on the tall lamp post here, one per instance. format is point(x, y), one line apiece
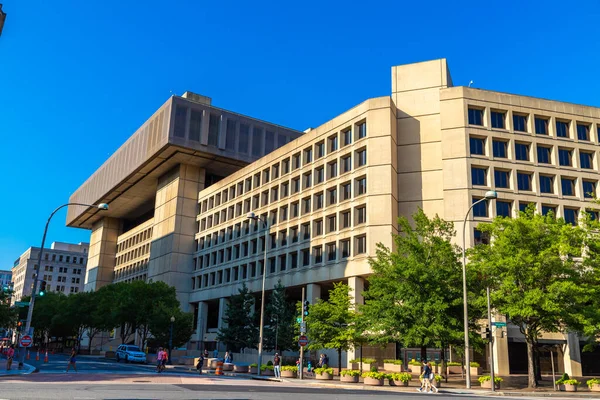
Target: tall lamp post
point(171, 339)
point(101, 206)
point(489, 195)
point(262, 302)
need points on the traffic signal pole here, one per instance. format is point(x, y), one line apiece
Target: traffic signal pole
point(489, 310)
point(301, 366)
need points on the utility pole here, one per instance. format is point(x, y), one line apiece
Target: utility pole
point(301, 366)
point(489, 310)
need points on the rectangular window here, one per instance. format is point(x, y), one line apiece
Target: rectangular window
point(295, 185)
point(332, 170)
point(523, 206)
point(230, 135)
point(347, 137)
point(583, 132)
point(296, 161)
point(548, 209)
point(475, 116)
point(214, 122)
point(320, 149)
point(331, 196)
point(180, 121)
point(594, 214)
point(305, 231)
point(195, 125)
point(564, 157)
point(586, 159)
point(318, 253)
point(346, 190)
point(520, 122)
point(294, 234)
point(333, 143)
point(294, 260)
point(503, 208)
point(266, 176)
point(346, 164)
point(562, 128)
point(361, 215)
point(546, 184)
point(331, 251)
point(285, 166)
point(478, 176)
point(318, 201)
point(543, 154)
point(306, 206)
point(568, 186)
point(361, 186)
point(480, 237)
point(571, 216)
point(589, 189)
point(285, 189)
point(498, 119)
point(361, 156)
point(345, 248)
point(362, 130)
point(331, 223)
point(307, 180)
point(269, 142)
point(500, 148)
point(360, 245)
point(501, 178)
point(244, 139)
point(257, 141)
point(305, 257)
point(477, 146)
point(319, 175)
point(481, 209)
point(522, 151)
point(295, 209)
point(345, 219)
point(541, 126)
point(308, 156)
point(318, 227)
point(275, 171)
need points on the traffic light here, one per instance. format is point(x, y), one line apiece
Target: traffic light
point(42, 288)
point(305, 307)
point(486, 333)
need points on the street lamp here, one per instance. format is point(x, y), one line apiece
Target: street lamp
point(171, 339)
point(251, 215)
point(101, 206)
point(489, 195)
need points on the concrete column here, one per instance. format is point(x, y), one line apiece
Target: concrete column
point(202, 320)
point(313, 292)
point(501, 362)
point(572, 358)
point(357, 286)
point(223, 303)
point(101, 257)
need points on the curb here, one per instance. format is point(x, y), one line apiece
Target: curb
point(27, 370)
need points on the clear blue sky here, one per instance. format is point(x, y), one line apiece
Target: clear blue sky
point(78, 77)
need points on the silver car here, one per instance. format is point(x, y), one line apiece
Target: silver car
point(130, 353)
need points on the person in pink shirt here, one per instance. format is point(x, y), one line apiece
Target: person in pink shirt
point(160, 356)
point(10, 353)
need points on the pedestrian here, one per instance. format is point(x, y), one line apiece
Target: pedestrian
point(227, 358)
point(325, 360)
point(216, 353)
point(321, 358)
point(425, 377)
point(10, 353)
point(200, 364)
point(309, 367)
point(205, 353)
point(432, 379)
point(160, 359)
point(276, 365)
point(72, 360)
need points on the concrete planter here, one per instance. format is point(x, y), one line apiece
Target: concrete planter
point(355, 366)
point(254, 370)
point(373, 382)
point(367, 367)
point(454, 369)
point(227, 367)
point(488, 385)
point(416, 369)
point(392, 367)
point(288, 374)
point(398, 383)
point(324, 376)
point(475, 370)
point(349, 379)
point(267, 372)
point(241, 369)
point(570, 388)
point(595, 387)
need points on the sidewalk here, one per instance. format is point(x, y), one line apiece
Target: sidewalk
point(27, 369)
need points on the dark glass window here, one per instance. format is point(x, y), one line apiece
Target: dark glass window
point(503, 208)
point(541, 126)
point(523, 181)
point(478, 176)
point(523, 206)
point(477, 146)
point(548, 209)
point(498, 119)
point(320, 149)
point(546, 184)
point(568, 186)
point(195, 125)
point(520, 123)
point(481, 209)
point(564, 157)
point(269, 142)
point(180, 119)
point(585, 159)
point(257, 141)
point(522, 151)
point(214, 122)
point(362, 130)
point(594, 214)
point(230, 135)
point(244, 137)
point(500, 147)
point(571, 216)
point(562, 128)
point(481, 237)
point(362, 157)
point(501, 178)
point(589, 189)
point(583, 132)
point(345, 248)
point(543, 154)
point(475, 116)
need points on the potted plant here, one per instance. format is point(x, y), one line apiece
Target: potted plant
point(254, 368)
point(475, 368)
point(561, 382)
point(349, 376)
point(571, 385)
point(289, 371)
point(594, 385)
point(392, 365)
point(240, 368)
point(373, 378)
point(438, 381)
point(454, 368)
point(486, 381)
point(267, 370)
point(355, 364)
point(368, 364)
point(399, 379)
point(415, 366)
point(324, 373)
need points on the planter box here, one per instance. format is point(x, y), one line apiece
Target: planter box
point(367, 367)
point(242, 369)
point(416, 369)
point(324, 377)
point(595, 387)
point(373, 382)
point(454, 369)
point(227, 367)
point(570, 388)
point(475, 370)
point(267, 372)
point(398, 383)
point(355, 366)
point(288, 374)
point(254, 370)
point(488, 385)
point(392, 367)
point(349, 379)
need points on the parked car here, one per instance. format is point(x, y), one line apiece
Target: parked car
point(130, 353)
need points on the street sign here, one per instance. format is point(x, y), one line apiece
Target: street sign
point(22, 303)
point(499, 324)
point(302, 341)
point(302, 327)
point(26, 341)
point(299, 319)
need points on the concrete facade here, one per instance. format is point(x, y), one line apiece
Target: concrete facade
point(181, 188)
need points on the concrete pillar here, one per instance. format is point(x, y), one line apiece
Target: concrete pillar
point(357, 287)
point(501, 362)
point(572, 358)
point(223, 303)
point(202, 320)
point(313, 292)
point(101, 257)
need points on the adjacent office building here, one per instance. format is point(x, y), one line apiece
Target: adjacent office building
point(63, 269)
point(5, 278)
point(181, 187)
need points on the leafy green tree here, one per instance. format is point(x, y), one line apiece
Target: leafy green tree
point(8, 315)
point(240, 331)
point(332, 324)
point(415, 292)
point(160, 325)
point(48, 318)
point(280, 317)
point(539, 275)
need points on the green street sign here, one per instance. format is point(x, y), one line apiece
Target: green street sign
point(22, 303)
point(299, 319)
point(499, 324)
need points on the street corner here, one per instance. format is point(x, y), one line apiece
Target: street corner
point(26, 370)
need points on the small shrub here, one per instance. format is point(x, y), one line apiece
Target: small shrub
point(374, 375)
point(323, 370)
point(374, 368)
point(350, 372)
point(325, 366)
point(265, 367)
point(253, 365)
point(270, 362)
point(454, 364)
point(292, 368)
point(438, 378)
point(355, 361)
point(475, 364)
point(402, 377)
point(392, 361)
point(593, 382)
point(571, 382)
point(369, 360)
point(563, 378)
point(486, 378)
point(414, 362)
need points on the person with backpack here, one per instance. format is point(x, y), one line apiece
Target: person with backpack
point(200, 364)
point(276, 365)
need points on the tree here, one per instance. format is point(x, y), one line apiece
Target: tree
point(160, 325)
point(8, 315)
point(239, 330)
point(279, 314)
point(331, 324)
point(539, 275)
point(415, 292)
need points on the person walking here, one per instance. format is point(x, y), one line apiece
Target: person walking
point(159, 359)
point(200, 364)
point(432, 379)
point(216, 353)
point(72, 360)
point(10, 353)
point(425, 377)
point(205, 353)
point(276, 365)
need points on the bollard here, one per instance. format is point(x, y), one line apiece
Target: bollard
point(27, 356)
point(37, 356)
point(46, 357)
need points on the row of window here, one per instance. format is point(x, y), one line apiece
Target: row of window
point(520, 123)
point(134, 240)
point(329, 224)
point(132, 269)
point(339, 193)
point(479, 177)
point(64, 258)
point(49, 278)
point(317, 255)
point(133, 254)
point(298, 160)
point(522, 152)
point(62, 270)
